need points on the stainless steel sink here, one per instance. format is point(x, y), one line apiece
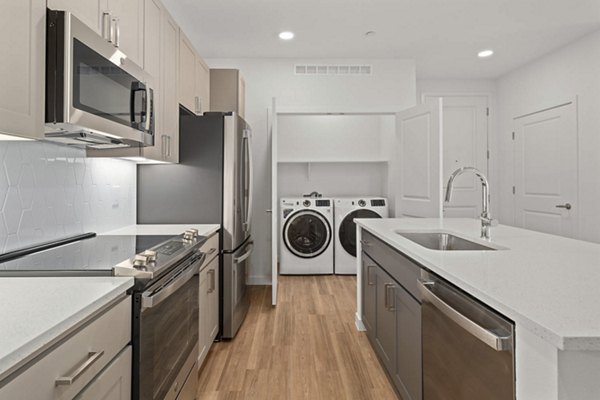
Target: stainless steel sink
point(443, 241)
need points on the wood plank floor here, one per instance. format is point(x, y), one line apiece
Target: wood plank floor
point(305, 348)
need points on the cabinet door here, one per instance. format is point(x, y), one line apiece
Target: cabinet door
point(22, 75)
point(241, 96)
point(369, 294)
point(202, 101)
point(169, 143)
point(87, 11)
point(187, 73)
point(385, 319)
point(129, 15)
point(113, 383)
point(203, 316)
point(212, 322)
point(408, 373)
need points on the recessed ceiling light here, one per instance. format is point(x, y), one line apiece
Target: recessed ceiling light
point(286, 35)
point(485, 53)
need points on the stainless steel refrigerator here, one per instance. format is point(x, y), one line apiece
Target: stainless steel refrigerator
point(212, 184)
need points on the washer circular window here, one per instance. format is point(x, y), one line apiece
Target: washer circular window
point(307, 234)
point(347, 230)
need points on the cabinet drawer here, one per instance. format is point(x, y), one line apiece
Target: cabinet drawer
point(402, 269)
point(94, 346)
point(211, 248)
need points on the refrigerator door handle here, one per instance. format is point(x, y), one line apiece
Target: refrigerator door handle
point(237, 260)
point(248, 137)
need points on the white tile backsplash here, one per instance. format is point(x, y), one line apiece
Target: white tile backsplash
point(49, 192)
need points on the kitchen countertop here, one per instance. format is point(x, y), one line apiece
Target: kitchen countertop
point(548, 284)
point(36, 312)
point(203, 229)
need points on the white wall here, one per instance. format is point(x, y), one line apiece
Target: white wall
point(49, 192)
point(573, 71)
point(390, 88)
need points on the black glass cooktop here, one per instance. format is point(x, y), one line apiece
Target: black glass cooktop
point(94, 256)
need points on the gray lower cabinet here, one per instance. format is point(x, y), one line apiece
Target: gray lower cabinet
point(392, 317)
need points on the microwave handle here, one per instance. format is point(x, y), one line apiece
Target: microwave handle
point(150, 111)
point(137, 87)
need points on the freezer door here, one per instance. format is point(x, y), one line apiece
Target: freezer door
point(235, 296)
point(237, 182)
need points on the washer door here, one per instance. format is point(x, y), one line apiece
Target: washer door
point(347, 231)
point(307, 234)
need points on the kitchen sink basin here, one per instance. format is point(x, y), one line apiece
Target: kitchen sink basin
point(443, 241)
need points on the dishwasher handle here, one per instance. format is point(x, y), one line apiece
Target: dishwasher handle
point(498, 343)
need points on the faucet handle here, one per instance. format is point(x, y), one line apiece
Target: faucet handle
point(489, 221)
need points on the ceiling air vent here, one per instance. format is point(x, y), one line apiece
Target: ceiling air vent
point(313, 69)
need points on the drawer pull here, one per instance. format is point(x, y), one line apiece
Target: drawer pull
point(389, 305)
point(365, 243)
point(369, 282)
point(211, 251)
point(68, 380)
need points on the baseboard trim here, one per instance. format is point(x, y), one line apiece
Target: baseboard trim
point(359, 324)
point(258, 280)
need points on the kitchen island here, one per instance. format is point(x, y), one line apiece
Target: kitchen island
point(547, 285)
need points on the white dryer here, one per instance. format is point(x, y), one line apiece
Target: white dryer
point(306, 236)
point(346, 210)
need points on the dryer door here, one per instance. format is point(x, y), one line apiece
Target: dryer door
point(347, 230)
point(307, 233)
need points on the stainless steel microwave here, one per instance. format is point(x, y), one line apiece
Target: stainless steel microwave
point(95, 96)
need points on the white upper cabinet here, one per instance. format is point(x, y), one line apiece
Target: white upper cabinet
point(119, 21)
point(23, 44)
point(202, 102)
point(227, 91)
point(128, 27)
point(187, 73)
point(88, 11)
point(166, 140)
point(194, 78)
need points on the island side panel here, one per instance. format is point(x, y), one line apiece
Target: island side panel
point(358, 317)
point(578, 375)
point(536, 367)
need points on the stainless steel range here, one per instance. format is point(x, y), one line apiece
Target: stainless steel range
point(165, 298)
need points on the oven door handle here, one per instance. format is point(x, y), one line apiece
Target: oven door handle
point(149, 301)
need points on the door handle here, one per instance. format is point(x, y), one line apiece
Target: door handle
point(106, 26)
point(566, 206)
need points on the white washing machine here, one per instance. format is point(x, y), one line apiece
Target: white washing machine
point(306, 236)
point(346, 210)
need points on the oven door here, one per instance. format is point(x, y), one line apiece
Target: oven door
point(166, 333)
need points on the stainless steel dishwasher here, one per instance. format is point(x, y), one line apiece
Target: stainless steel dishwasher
point(468, 348)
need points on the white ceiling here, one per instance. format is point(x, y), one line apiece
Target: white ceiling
point(442, 35)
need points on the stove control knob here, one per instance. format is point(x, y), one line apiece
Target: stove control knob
point(150, 255)
point(140, 261)
point(190, 234)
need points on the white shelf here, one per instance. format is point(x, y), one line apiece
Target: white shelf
point(331, 161)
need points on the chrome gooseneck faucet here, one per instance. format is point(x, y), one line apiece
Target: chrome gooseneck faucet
point(486, 220)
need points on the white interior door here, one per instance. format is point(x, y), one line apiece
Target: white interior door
point(419, 161)
point(546, 178)
point(465, 145)
point(272, 121)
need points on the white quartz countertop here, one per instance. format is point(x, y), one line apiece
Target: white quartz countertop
point(203, 229)
point(548, 284)
point(36, 312)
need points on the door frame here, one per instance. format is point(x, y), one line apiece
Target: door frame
point(568, 101)
point(490, 135)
